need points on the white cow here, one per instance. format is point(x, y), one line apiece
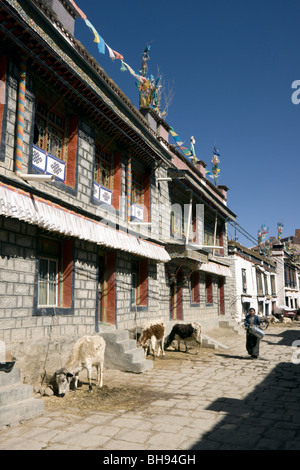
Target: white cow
point(88, 352)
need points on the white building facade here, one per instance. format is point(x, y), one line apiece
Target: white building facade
point(254, 282)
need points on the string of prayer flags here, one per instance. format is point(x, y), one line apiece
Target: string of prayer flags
point(148, 87)
point(179, 143)
point(97, 38)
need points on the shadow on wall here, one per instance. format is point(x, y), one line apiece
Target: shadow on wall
point(267, 419)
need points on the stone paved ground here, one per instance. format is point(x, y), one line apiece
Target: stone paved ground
point(220, 399)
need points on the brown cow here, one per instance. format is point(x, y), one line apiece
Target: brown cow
point(152, 335)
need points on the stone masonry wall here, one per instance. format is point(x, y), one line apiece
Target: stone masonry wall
point(28, 335)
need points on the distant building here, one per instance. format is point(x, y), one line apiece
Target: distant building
point(288, 277)
point(293, 240)
point(254, 282)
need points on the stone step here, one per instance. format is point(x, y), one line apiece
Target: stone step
point(9, 378)
point(138, 362)
point(20, 411)
point(122, 353)
point(16, 399)
point(231, 324)
point(211, 343)
point(14, 393)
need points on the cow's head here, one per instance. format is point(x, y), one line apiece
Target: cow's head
point(63, 379)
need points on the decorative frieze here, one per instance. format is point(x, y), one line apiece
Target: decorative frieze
point(102, 194)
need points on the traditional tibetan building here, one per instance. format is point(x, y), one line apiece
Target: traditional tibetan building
point(103, 222)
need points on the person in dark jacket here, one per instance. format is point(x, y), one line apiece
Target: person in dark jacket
point(252, 342)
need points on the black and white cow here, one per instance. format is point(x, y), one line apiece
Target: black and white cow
point(185, 332)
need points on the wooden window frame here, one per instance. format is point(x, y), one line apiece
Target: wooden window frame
point(50, 122)
point(139, 284)
point(69, 148)
point(195, 288)
point(144, 199)
point(62, 253)
point(103, 161)
point(137, 183)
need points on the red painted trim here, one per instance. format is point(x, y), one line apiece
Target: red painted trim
point(195, 291)
point(179, 311)
point(117, 181)
point(67, 261)
point(221, 252)
point(147, 198)
point(209, 292)
point(143, 283)
point(72, 151)
point(222, 296)
point(110, 266)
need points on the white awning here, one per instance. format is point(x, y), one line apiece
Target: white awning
point(215, 268)
point(54, 218)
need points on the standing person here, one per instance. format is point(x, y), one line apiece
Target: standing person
point(252, 342)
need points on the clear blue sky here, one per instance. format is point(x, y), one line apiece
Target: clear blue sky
point(231, 64)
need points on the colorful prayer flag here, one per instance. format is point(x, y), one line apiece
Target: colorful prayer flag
point(111, 52)
point(179, 143)
point(118, 56)
point(97, 39)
